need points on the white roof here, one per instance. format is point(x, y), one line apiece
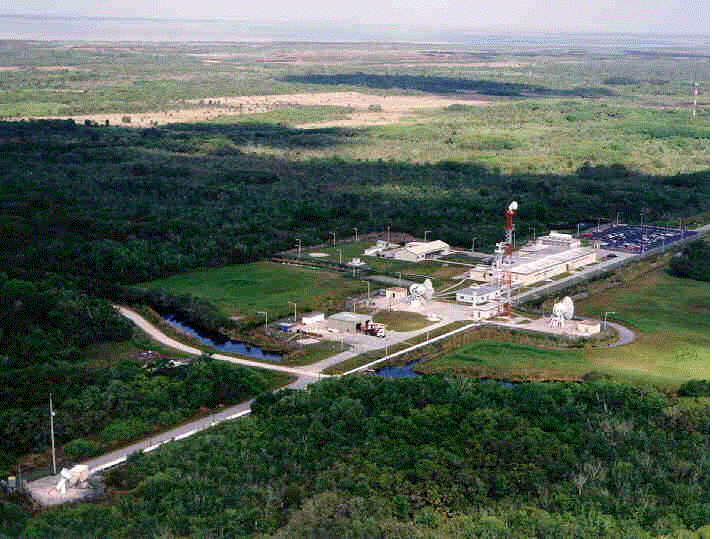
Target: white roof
point(551, 260)
point(422, 248)
point(480, 290)
point(350, 317)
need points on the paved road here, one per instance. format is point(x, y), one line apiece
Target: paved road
point(161, 337)
point(625, 335)
point(42, 489)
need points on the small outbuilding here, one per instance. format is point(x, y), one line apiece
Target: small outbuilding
point(474, 296)
point(347, 322)
point(417, 251)
point(312, 318)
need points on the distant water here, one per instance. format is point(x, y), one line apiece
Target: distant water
point(56, 28)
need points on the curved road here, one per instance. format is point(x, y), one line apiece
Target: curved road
point(43, 489)
point(625, 335)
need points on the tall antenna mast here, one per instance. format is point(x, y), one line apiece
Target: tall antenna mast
point(51, 428)
point(504, 274)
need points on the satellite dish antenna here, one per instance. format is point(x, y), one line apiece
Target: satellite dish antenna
point(563, 310)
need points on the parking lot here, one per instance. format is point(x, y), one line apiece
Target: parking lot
point(636, 239)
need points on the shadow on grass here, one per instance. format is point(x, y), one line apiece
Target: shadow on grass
point(446, 85)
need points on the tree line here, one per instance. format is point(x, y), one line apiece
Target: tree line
point(428, 457)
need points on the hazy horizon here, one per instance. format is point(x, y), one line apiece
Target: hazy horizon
point(61, 27)
point(365, 19)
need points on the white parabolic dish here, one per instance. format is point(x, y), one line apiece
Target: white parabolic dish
point(564, 308)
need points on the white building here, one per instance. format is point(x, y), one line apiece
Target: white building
point(312, 318)
point(479, 295)
point(417, 251)
point(533, 267)
point(558, 239)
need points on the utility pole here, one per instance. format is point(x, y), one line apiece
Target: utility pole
point(333, 234)
point(388, 235)
point(295, 310)
point(264, 313)
point(51, 429)
point(605, 318)
point(355, 234)
point(368, 293)
point(299, 248)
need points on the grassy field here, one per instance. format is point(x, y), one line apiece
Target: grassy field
point(671, 320)
point(244, 289)
point(402, 320)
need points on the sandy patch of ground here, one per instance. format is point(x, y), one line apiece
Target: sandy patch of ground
point(392, 108)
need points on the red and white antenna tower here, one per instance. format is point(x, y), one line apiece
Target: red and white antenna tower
point(504, 275)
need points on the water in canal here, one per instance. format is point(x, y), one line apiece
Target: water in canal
point(406, 371)
point(220, 342)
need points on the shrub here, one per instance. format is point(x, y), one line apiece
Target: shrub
point(81, 449)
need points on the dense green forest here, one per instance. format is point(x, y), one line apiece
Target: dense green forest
point(430, 457)
point(693, 262)
point(122, 205)
point(45, 327)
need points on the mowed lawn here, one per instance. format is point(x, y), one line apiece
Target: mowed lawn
point(669, 315)
point(671, 318)
point(244, 289)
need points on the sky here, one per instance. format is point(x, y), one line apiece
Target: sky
point(635, 16)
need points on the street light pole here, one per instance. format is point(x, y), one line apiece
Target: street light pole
point(425, 235)
point(264, 313)
point(473, 243)
point(605, 319)
point(355, 234)
point(295, 309)
point(51, 429)
point(299, 248)
point(333, 234)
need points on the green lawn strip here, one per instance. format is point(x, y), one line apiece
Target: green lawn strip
point(402, 320)
point(497, 359)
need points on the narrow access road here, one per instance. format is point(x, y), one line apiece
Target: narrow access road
point(625, 335)
point(157, 335)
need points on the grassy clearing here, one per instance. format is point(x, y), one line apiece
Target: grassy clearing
point(245, 289)
point(402, 320)
point(671, 320)
point(519, 362)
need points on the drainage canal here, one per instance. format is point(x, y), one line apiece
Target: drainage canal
point(220, 342)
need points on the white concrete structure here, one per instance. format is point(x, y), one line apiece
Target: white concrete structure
point(396, 293)
point(347, 322)
point(312, 318)
point(588, 328)
point(537, 263)
point(558, 239)
point(479, 295)
point(417, 251)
